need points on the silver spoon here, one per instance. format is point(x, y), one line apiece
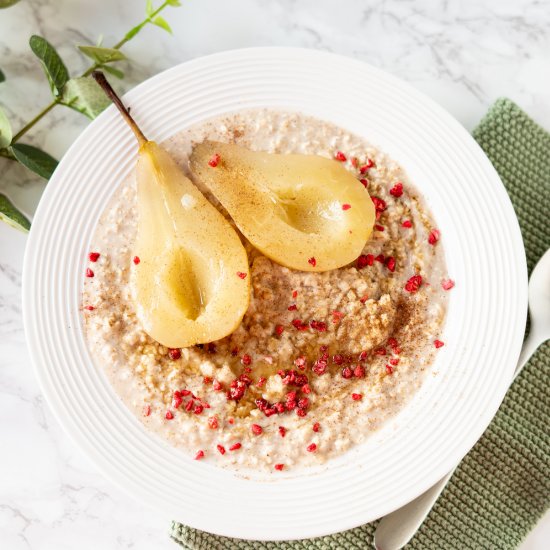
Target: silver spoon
point(399, 527)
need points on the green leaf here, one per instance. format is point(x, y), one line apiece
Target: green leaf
point(7, 3)
point(102, 55)
point(113, 71)
point(2, 77)
point(11, 215)
point(84, 95)
point(149, 8)
point(174, 3)
point(53, 65)
point(132, 32)
point(34, 159)
point(162, 23)
point(5, 130)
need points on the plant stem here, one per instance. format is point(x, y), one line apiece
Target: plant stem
point(87, 72)
point(38, 117)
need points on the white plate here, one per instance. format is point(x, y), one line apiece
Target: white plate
point(483, 333)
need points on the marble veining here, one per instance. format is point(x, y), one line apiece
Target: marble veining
point(464, 55)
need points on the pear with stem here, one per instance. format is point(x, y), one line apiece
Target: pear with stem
point(190, 280)
point(305, 212)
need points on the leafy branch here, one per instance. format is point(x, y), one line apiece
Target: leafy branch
point(80, 93)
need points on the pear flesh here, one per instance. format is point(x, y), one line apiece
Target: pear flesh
point(192, 282)
point(305, 212)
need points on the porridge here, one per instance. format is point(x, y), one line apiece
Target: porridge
point(320, 360)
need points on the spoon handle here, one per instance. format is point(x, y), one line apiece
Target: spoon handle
point(399, 527)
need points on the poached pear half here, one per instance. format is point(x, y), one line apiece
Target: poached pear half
point(305, 212)
point(191, 284)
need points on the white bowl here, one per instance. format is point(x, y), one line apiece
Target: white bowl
point(483, 333)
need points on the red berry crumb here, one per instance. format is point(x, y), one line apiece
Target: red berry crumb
point(292, 307)
point(256, 429)
point(369, 164)
point(438, 344)
point(311, 448)
point(434, 235)
point(389, 369)
point(199, 455)
point(174, 354)
point(357, 396)
point(136, 260)
point(89, 272)
point(413, 284)
point(447, 284)
point(397, 189)
point(365, 260)
point(214, 160)
point(407, 223)
point(390, 263)
point(279, 467)
point(279, 329)
point(359, 371)
point(146, 410)
point(221, 449)
point(379, 227)
point(346, 206)
point(169, 415)
point(213, 422)
point(216, 385)
point(282, 431)
point(316, 427)
point(246, 359)
point(365, 182)
point(93, 256)
point(235, 447)
point(312, 261)
point(340, 156)
point(89, 308)
point(294, 293)
point(241, 275)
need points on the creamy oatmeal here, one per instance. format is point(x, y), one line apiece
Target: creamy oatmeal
point(320, 360)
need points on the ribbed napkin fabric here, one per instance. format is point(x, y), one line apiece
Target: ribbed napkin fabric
point(502, 487)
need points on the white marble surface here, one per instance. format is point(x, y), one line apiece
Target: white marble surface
point(463, 54)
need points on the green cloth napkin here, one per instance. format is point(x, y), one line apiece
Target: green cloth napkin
point(502, 487)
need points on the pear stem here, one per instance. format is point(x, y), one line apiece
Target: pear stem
point(99, 77)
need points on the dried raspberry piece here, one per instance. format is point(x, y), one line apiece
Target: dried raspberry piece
point(380, 351)
point(216, 385)
point(312, 261)
point(397, 189)
point(89, 272)
point(365, 182)
point(407, 223)
point(438, 344)
point(176, 401)
point(354, 162)
point(347, 373)
point(434, 235)
point(379, 227)
point(136, 260)
point(294, 293)
point(311, 448)
point(394, 361)
point(174, 354)
point(292, 307)
point(390, 263)
point(146, 410)
point(318, 325)
point(303, 403)
point(246, 359)
point(346, 206)
point(235, 447)
point(213, 422)
point(279, 329)
point(379, 204)
point(241, 275)
point(413, 284)
point(316, 427)
point(256, 429)
point(357, 396)
point(340, 156)
point(359, 371)
point(94, 256)
point(306, 389)
point(221, 449)
point(301, 412)
point(447, 284)
point(261, 382)
point(89, 308)
point(214, 160)
point(282, 431)
point(367, 166)
point(169, 415)
point(319, 367)
point(364, 260)
point(300, 362)
point(198, 409)
point(279, 467)
point(380, 258)
point(364, 299)
point(199, 455)
point(389, 369)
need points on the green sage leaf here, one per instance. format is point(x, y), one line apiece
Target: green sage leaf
point(113, 71)
point(34, 159)
point(5, 130)
point(2, 77)
point(84, 95)
point(102, 55)
point(149, 8)
point(54, 67)
point(162, 23)
point(132, 32)
point(12, 216)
